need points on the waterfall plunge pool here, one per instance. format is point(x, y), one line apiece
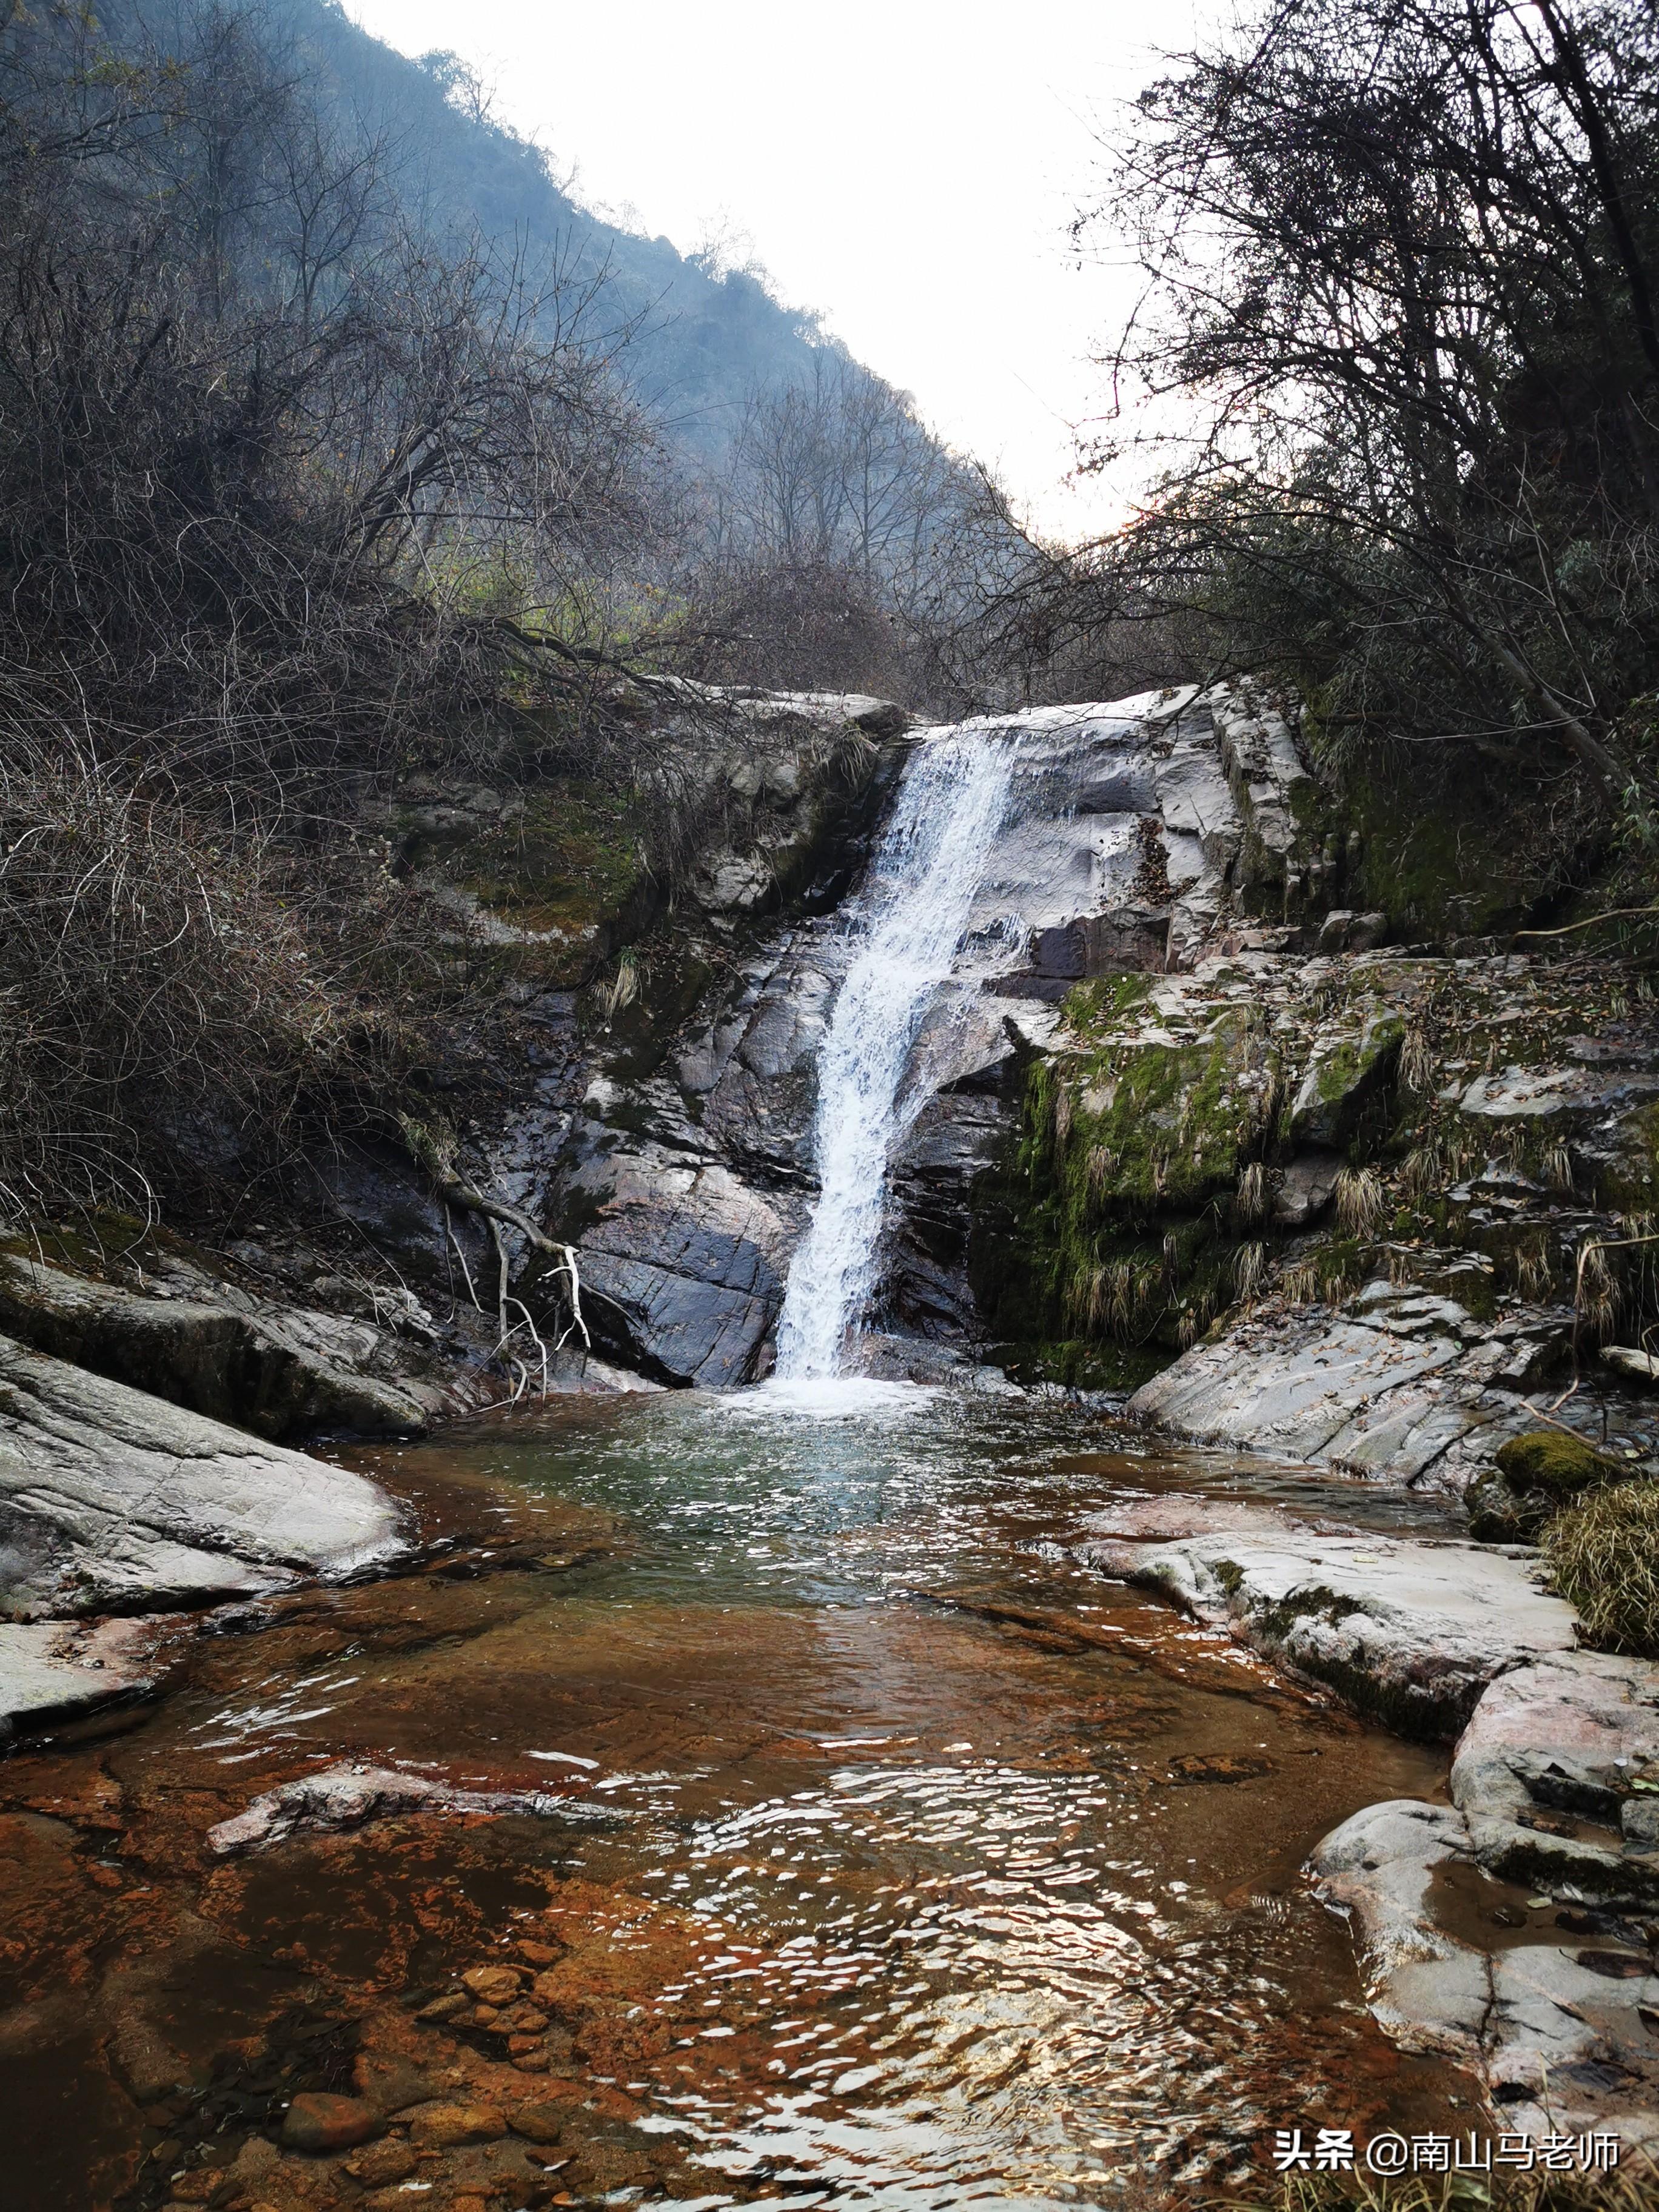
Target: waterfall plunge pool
point(897, 1859)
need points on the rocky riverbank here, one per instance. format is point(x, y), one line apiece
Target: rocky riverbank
point(1186, 1132)
point(1545, 1998)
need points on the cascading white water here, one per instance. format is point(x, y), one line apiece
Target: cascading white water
point(914, 917)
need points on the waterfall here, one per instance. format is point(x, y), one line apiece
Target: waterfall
point(909, 930)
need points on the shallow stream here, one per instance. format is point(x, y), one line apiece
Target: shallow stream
point(900, 1859)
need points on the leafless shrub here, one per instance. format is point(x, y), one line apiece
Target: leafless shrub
point(155, 977)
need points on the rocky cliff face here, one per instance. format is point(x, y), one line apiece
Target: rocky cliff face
point(685, 1175)
point(1177, 1105)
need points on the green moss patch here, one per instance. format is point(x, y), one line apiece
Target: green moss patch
point(569, 862)
point(1551, 1462)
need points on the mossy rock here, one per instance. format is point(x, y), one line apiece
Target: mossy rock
point(1500, 1515)
point(1175, 1122)
point(1080, 1363)
point(1352, 1065)
point(1627, 1172)
point(1551, 1463)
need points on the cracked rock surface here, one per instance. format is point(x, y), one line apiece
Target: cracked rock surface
point(111, 1500)
point(1408, 1630)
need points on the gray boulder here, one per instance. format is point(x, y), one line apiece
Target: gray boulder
point(280, 1371)
point(1409, 1631)
point(112, 1500)
point(1401, 1385)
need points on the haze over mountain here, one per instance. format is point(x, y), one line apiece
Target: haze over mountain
point(912, 171)
point(701, 339)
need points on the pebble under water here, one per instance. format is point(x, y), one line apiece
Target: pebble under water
point(899, 1859)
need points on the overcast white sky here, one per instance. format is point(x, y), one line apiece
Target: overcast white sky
point(907, 166)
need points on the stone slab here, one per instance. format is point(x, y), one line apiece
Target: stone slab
point(1409, 1631)
point(113, 1500)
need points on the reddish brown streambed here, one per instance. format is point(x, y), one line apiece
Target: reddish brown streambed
point(895, 1862)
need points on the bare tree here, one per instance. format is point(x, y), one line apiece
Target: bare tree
point(1400, 261)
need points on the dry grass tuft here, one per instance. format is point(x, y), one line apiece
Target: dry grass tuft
point(622, 989)
point(1534, 1271)
point(1249, 1265)
point(1299, 1286)
point(1361, 1201)
point(1603, 1557)
point(1558, 1170)
point(1250, 1201)
point(1597, 1295)
point(1099, 1169)
point(1416, 1060)
point(1423, 1170)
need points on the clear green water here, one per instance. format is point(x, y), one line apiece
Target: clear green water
point(989, 1918)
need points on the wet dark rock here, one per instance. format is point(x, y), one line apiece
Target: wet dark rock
point(319, 2124)
point(1305, 1187)
point(445, 2126)
point(279, 1371)
point(681, 1268)
point(383, 2162)
point(538, 2122)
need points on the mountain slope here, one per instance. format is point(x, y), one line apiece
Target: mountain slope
point(701, 341)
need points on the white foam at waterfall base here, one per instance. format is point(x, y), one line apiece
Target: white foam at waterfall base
point(910, 929)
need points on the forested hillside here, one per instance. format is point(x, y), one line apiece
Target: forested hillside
point(335, 445)
point(701, 341)
point(339, 448)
